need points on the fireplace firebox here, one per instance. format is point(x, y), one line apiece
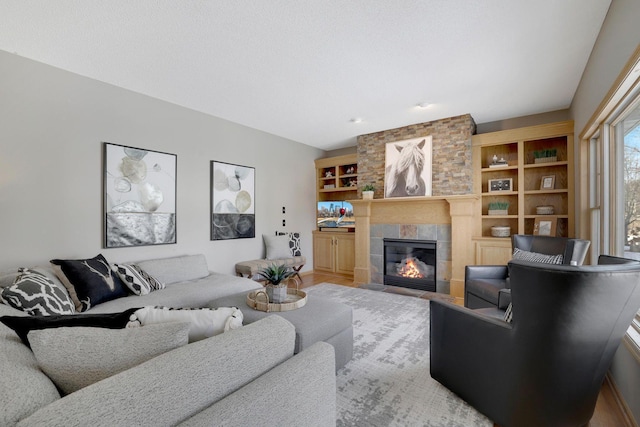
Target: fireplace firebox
point(410, 263)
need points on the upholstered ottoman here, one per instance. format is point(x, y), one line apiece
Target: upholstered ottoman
point(319, 320)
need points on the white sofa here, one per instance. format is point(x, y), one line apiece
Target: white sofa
point(248, 376)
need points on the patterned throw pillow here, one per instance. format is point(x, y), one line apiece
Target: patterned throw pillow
point(132, 276)
point(89, 281)
point(36, 294)
point(154, 283)
point(508, 315)
point(536, 257)
point(294, 243)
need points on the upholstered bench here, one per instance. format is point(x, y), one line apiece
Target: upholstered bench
point(281, 249)
point(320, 319)
point(250, 269)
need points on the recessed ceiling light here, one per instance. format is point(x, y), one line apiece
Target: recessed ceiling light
point(356, 120)
point(423, 105)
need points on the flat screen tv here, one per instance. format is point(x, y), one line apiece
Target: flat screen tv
point(335, 214)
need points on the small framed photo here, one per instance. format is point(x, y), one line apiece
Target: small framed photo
point(544, 226)
point(548, 182)
point(502, 184)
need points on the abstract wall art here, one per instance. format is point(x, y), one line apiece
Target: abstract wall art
point(232, 201)
point(139, 196)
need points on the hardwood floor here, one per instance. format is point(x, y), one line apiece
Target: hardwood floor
point(607, 412)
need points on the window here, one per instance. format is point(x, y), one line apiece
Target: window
point(627, 133)
point(611, 146)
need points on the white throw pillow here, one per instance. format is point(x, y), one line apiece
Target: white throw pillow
point(75, 357)
point(204, 322)
point(277, 246)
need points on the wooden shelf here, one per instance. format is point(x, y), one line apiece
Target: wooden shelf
point(338, 167)
point(519, 147)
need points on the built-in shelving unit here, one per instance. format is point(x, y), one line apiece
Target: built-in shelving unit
point(520, 160)
point(337, 178)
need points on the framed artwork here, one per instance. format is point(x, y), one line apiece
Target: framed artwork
point(502, 184)
point(544, 226)
point(407, 171)
point(139, 203)
point(232, 201)
point(548, 182)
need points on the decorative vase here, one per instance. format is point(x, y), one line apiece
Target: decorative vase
point(367, 195)
point(277, 294)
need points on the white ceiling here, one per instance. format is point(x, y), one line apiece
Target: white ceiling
point(302, 69)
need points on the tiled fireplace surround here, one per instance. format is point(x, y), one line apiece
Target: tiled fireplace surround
point(441, 233)
point(446, 217)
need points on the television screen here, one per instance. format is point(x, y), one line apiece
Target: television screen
point(335, 214)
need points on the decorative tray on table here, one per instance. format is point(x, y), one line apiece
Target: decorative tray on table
point(258, 300)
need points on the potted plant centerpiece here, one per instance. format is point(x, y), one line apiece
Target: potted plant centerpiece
point(276, 277)
point(367, 191)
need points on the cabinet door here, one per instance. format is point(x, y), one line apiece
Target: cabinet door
point(493, 252)
point(345, 250)
point(323, 252)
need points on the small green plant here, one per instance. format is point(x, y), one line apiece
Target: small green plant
point(369, 187)
point(541, 154)
point(498, 206)
point(274, 274)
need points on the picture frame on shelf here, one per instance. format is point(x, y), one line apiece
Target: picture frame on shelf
point(501, 184)
point(544, 226)
point(548, 182)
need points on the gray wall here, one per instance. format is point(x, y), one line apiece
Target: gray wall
point(618, 39)
point(52, 123)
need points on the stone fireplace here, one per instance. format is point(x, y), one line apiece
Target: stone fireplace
point(448, 217)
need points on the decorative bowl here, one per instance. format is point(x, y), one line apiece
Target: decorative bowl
point(500, 231)
point(544, 210)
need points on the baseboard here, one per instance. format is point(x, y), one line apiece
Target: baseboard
point(627, 415)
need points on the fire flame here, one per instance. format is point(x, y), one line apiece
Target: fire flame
point(410, 269)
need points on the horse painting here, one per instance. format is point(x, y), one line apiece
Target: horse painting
point(403, 176)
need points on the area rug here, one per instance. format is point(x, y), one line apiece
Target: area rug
point(387, 383)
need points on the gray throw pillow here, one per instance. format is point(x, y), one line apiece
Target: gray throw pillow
point(75, 357)
point(277, 246)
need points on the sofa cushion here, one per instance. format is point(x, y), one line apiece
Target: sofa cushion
point(176, 269)
point(23, 325)
point(204, 322)
point(537, 257)
point(24, 388)
point(89, 281)
point(276, 246)
point(36, 294)
point(77, 357)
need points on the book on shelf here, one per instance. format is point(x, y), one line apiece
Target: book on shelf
point(499, 165)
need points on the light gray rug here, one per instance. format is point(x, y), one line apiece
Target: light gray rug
point(387, 383)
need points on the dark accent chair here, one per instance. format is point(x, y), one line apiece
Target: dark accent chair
point(546, 367)
point(486, 286)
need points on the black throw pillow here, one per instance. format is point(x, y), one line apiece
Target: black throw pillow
point(23, 324)
point(89, 281)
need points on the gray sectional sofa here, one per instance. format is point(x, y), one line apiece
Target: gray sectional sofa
point(248, 376)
